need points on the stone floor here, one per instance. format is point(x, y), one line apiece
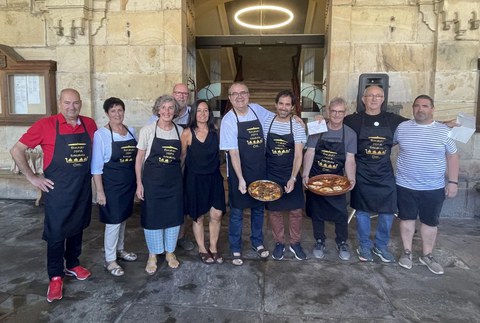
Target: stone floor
point(328, 290)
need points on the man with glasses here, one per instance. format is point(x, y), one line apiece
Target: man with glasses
point(181, 93)
point(374, 192)
point(332, 152)
point(241, 136)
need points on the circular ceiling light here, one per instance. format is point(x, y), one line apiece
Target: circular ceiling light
point(260, 8)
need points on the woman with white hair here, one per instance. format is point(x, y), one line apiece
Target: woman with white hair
point(159, 183)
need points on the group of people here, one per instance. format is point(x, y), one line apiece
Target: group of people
point(357, 146)
point(173, 168)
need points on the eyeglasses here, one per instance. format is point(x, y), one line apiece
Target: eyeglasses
point(237, 94)
point(181, 93)
point(374, 96)
point(337, 111)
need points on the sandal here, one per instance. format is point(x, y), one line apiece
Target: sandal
point(216, 257)
point(261, 251)
point(126, 256)
point(171, 260)
point(206, 258)
point(113, 268)
point(151, 264)
point(237, 259)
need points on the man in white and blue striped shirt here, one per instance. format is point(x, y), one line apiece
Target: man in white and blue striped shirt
point(284, 141)
point(426, 153)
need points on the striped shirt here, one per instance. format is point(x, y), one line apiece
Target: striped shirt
point(283, 128)
point(421, 162)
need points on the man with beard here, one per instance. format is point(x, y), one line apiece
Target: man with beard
point(285, 138)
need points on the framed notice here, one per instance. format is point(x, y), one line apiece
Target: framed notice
point(27, 88)
point(28, 93)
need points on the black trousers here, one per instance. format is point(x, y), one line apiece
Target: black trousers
point(341, 230)
point(68, 249)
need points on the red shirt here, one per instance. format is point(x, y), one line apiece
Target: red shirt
point(43, 133)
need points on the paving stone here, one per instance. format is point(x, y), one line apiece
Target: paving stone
point(326, 290)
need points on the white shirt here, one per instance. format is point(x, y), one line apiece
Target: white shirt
point(147, 134)
point(102, 147)
point(229, 129)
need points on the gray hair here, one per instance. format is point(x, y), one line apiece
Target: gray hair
point(337, 101)
point(161, 100)
point(372, 86)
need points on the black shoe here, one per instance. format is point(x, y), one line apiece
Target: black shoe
point(297, 250)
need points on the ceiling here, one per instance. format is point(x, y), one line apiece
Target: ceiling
point(216, 18)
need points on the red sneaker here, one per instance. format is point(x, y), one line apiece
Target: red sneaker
point(80, 272)
point(55, 289)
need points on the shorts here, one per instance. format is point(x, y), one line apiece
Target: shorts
point(427, 205)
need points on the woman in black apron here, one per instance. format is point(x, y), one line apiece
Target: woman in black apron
point(203, 182)
point(116, 185)
point(280, 154)
point(160, 185)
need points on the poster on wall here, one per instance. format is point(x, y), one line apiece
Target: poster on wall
point(33, 89)
point(20, 92)
point(26, 92)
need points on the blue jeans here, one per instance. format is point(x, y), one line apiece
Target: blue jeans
point(382, 235)
point(235, 228)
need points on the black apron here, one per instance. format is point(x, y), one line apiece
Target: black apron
point(375, 185)
point(119, 181)
point(162, 206)
point(280, 154)
point(251, 147)
point(329, 159)
point(68, 206)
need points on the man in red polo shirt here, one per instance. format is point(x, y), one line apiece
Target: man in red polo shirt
point(66, 141)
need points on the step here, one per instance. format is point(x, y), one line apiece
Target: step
point(16, 186)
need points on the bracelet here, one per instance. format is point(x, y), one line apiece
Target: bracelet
point(294, 179)
point(452, 182)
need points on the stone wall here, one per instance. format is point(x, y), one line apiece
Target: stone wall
point(135, 50)
point(426, 47)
